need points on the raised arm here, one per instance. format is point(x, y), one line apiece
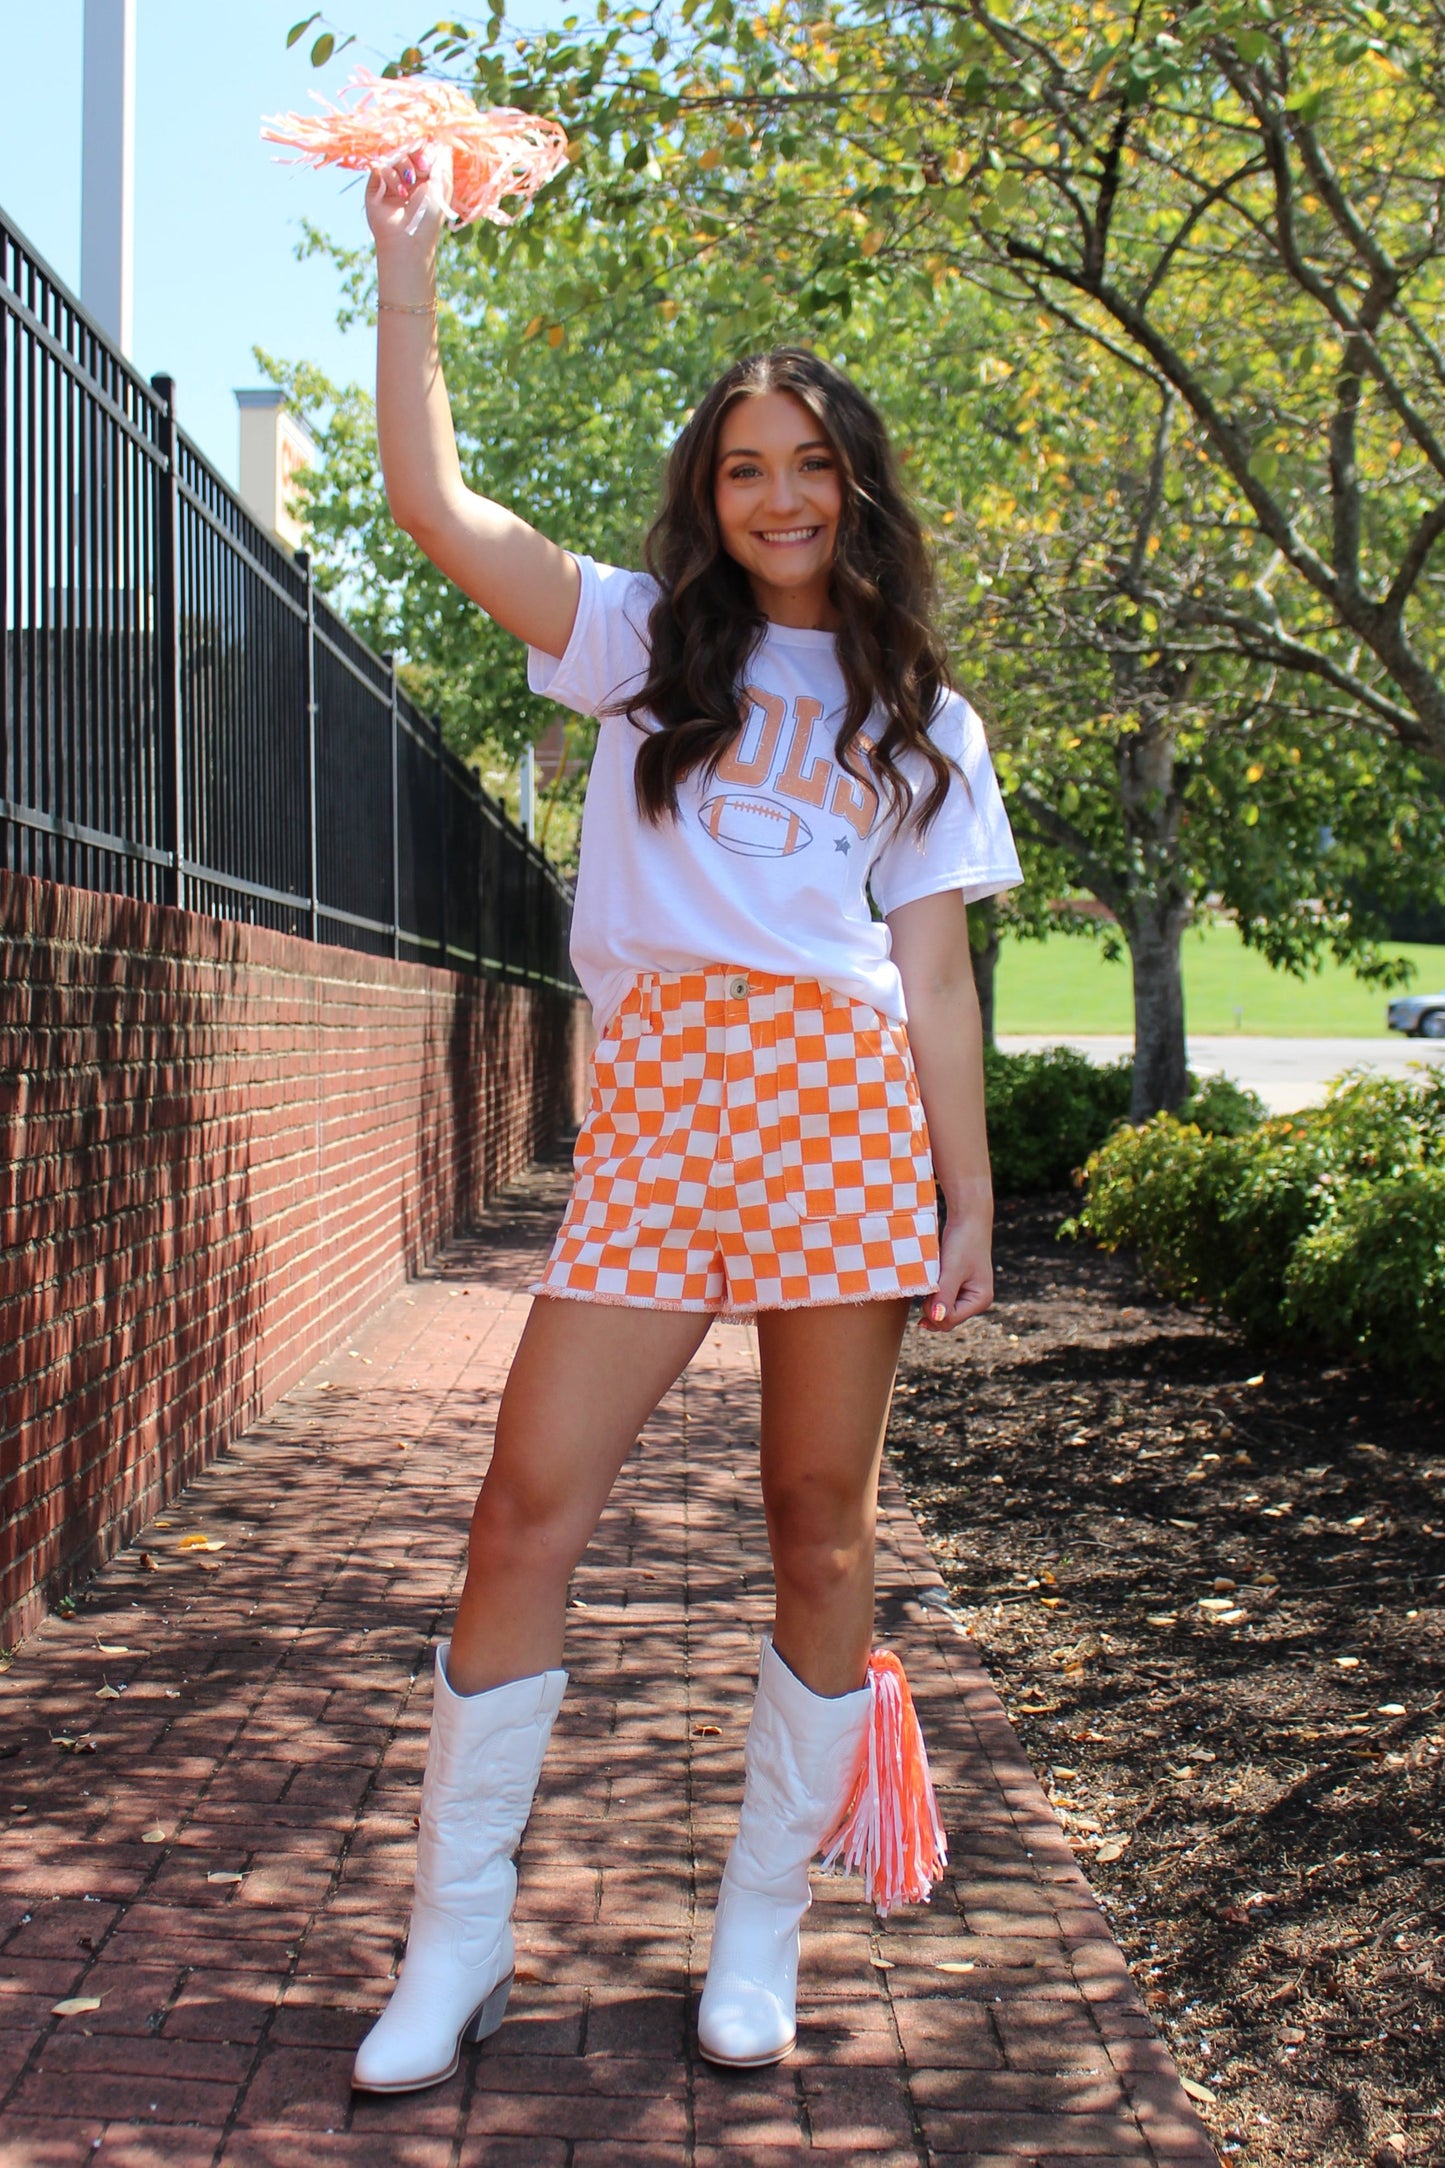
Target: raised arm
point(518, 576)
point(930, 948)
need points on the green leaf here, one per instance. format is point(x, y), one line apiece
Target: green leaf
point(299, 30)
point(322, 50)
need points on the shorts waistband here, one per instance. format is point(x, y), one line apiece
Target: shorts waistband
point(736, 982)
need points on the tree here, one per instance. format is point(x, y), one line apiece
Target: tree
point(1143, 762)
point(1240, 200)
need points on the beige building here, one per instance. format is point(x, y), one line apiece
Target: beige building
point(275, 445)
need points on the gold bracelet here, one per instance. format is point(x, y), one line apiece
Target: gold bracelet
point(409, 308)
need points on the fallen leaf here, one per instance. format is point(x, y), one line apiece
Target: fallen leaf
point(75, 2005)
point(1348, 1663)
point(882, 1964)
point(1184, 1524)
point(197, 1541)
point(113, 1648)
point(147, 1563)
point(155, 1835)
point(1112, 1848)
point(83, 1745)
point(707, 1731)
point(1161, 1618)
point(224, 1875)
point(1392, 1708)
point(107, 1693)
point(1200, 2092)
point(950, 1965)
point(1223, 1586)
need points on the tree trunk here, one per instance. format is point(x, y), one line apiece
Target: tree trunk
point(1161, 1077)
point(983, 948)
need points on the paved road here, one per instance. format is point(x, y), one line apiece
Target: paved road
point(226, 1875)
point(1287, 1073)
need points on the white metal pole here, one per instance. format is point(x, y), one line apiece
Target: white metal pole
point(107, 184)
point(528, 794)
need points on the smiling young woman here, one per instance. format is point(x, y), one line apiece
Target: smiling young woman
point(783, 1082)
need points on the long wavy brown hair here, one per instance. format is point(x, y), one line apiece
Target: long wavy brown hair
point(705, 626)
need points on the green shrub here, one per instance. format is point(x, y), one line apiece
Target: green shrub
point(1222, 1108)
point(1286, 1226)
point(1371, 1278)
point(1047, 1112)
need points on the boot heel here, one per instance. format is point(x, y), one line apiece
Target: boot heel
point(490, 2016)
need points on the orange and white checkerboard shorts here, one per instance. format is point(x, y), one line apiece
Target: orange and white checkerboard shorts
point(752, 1143)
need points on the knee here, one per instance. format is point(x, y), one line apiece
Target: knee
point(819, 1540)
point(517, 1520)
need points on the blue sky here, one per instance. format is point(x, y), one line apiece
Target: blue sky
point(216, 219)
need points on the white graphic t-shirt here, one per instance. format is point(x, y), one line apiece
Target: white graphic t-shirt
point(769, 861)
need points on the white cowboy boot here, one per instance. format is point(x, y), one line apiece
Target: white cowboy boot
point(482, 1766)
point(801, 1759)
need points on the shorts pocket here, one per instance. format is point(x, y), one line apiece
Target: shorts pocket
point(637, 1105)
point(852, 1142)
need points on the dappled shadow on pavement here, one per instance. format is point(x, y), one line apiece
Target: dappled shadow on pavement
point(211, 1821)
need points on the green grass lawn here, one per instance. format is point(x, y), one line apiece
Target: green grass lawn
point(1064, 985)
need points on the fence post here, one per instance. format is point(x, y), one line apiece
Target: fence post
point(395, 812)
point(168, 648)
point(303, 566)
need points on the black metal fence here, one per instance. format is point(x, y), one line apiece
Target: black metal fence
point(186, 720)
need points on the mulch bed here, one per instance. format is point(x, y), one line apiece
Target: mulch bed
point(1209, 1584)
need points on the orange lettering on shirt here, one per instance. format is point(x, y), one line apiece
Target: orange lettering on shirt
point(809, 783)
point(754, 772)
point(854, 800)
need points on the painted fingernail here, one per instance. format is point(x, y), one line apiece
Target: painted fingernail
point(937, 1313)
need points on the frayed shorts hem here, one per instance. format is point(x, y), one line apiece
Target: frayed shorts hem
point(730, 1313)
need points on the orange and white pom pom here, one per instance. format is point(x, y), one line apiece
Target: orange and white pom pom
point(890, 1831)
point(496, 155)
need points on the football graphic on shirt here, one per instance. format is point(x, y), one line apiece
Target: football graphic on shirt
point(755, 827)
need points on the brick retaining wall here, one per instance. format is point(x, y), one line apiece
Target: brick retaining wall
point(219, 1146)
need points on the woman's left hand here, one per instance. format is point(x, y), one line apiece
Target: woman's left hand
point(965, 1273)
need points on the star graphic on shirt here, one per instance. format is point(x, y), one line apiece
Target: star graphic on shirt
point(841, 843)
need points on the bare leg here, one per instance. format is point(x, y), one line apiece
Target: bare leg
point(827, 1380)
point(584, 1380)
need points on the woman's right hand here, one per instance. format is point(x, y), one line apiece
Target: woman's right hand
point(407, 204)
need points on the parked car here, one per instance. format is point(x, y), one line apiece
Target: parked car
point(1422, 1015)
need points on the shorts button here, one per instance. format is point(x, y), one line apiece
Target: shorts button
point(737, 989)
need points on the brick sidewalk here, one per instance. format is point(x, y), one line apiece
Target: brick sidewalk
point(228, 1869)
